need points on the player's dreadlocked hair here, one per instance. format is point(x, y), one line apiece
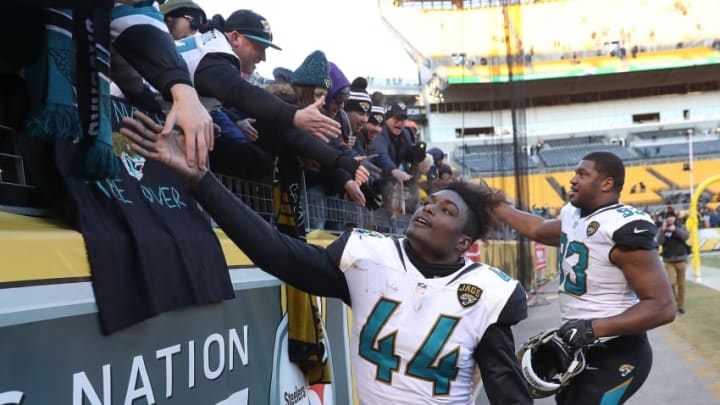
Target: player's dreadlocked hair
point(481, 199)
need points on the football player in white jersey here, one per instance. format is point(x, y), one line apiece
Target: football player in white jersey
point(424, 316)
point(613, 286)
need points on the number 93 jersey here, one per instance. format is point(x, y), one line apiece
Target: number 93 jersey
point(413, 337)
point(591, 285)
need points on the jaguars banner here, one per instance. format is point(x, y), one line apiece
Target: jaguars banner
point(149, 246)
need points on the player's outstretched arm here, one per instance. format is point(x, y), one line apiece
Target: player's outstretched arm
point(546, 231)
point(647, 277)
point(304, 266)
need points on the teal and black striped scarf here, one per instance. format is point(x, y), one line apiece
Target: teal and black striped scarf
point(77, 91)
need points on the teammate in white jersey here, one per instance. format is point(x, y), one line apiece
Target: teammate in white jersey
point(423, 316)
point(613, 286)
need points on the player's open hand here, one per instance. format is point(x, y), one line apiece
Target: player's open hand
point(149, 140)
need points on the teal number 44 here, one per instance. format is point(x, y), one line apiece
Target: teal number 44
point(379, 350)
point(579, 285)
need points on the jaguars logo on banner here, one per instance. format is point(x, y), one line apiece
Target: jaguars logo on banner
point(132, 162)
point(468, 294)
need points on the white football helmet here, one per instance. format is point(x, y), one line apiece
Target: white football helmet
point(548, 364)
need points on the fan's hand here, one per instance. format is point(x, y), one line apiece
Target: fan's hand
point(312, 121)
point(248, 129)
point(193, 119)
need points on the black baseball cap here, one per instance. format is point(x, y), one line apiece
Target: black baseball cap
point(252, 25)
point(397, 110)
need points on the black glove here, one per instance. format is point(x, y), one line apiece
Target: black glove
point(416, 153)
point(577, 333)
point(375, 171)
point(373, 199)
point(348, 164)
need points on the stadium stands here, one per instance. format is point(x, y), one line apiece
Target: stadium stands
point(597, 28)
point(660, 134)
point(571, 155)
point(543, 194)
point(574, 141)
point(495, 162)
point(702, 169)
point(681, 149)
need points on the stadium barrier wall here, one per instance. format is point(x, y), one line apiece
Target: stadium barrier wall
point(233, 352)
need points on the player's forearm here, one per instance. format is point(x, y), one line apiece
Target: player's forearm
point(299, 264)
point(643, 316)
point(528, 225)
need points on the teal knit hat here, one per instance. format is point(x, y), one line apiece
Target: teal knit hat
point(314, 72)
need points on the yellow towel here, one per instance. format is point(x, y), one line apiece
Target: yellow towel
point(306, 345)
point(306, 341)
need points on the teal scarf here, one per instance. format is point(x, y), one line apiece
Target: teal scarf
point(77, 99)
point(58, 119)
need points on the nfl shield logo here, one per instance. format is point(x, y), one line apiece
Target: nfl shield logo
point(468, 294)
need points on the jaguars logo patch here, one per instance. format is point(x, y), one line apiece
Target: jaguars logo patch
point(626, 369)
point(468, 294)
point(367, 232)
point(592, 228)
point(134, 164)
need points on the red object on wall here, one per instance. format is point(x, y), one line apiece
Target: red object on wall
point(474, 252)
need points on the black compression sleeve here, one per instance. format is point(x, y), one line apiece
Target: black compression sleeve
point(152, 53)
point(310, 147)
point(217, 76)
point(515, 309)
point(307, 267)
point(500, 368)
point(638, 234)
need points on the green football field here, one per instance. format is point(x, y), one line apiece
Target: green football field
point(700, 326)
point(711, 259)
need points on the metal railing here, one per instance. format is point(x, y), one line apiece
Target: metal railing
point(327, 213)
point(335, 215)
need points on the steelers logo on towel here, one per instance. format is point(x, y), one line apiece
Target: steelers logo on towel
point(592, 228)
point(468, 294)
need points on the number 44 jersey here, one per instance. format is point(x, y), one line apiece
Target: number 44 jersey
point(413, 337)
point(591, 285)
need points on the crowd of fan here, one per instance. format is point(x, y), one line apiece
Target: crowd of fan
point(259, 146)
